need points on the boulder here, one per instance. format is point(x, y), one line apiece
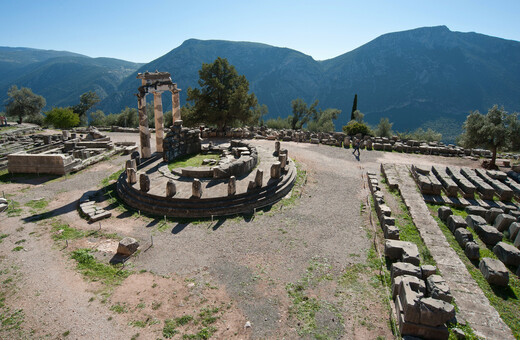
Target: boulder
point(489, 235)
point(472, 250)
point(455, 221)
point(503, 221)
point(435, 312)
point(507, 254)
point(444, 213)
point(463, 236)
point(494, 271)
point(127, 246)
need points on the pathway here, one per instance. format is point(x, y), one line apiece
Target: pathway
point(473, 305)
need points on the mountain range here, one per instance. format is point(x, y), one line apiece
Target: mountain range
point(425, 77)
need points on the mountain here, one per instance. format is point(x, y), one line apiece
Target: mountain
point(425, 77)
point(60, 77)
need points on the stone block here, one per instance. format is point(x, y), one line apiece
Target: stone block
point(127, 246)
point(196, 188)
point(100, 215)
point(503, 221)
point(232, 186)
point(401, 250)
point(475, 221)
point(455, 222)
point(476, 210)
point(283, 160)
point(492, 213)
point(507, 254)
point(444, 213)
point(438, 288)
point(276, 170)
point(427, 270)
point(387, 220)
point(415, 283)
point(391, 232)
point(410, 302)
point(418, 331)
point(259, 178)
point(494, 271)
point(435, 312)
point(144, 183)
point(472, 250)
point(463, 236)
point(171, 188)
point(517, 240)
point(489, 235)
point(514, 228)
point(384, 210)
point(403, 268)
point(131, 176)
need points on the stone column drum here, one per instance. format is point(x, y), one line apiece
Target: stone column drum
point(144, 132)
point(196, 188)
point(176, 106)
point(276, 170)
point(159, 123)
point(232, 186)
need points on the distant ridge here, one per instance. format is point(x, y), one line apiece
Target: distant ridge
point(429, 77)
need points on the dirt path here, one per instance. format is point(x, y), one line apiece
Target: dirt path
point(303, 270)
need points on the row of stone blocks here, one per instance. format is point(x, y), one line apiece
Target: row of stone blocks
point(494, 271)
point(422, 298)
point(87, 207)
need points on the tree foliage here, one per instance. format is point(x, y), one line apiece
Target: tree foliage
point(301, 113)
point(278, 123)
point(428, 135)
point(494, 130)
point(23, 103)
point(86, 101)
point(223, 98)
point(323, 120)
point(354, 127)
point(384, 128)
point(358, 116)
point(62, 118)
point(257, 117)
point(354, 108)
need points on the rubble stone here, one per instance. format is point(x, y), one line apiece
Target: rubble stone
point(127, 246)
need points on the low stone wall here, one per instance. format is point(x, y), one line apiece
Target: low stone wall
point(180, 142)
point(41, 164)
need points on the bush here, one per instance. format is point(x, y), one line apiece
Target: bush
point(62, 118)
point(355, 127)
point(278, 123)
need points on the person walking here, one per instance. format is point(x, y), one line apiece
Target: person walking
point(356, 147)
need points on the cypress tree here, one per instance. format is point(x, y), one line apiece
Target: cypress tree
point(354, 107)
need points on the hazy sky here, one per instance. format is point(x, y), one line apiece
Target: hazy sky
point(142, 31)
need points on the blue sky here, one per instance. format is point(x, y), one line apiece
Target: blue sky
point(142, 31)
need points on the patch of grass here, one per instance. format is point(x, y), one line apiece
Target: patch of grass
point(106, 181)
point(156, 305)
point(118, 308)
point(138, 323)
point(2, 236)
point(20, 241)
point(191, 160)
point(207, 316)
point(296, 192)
point(13, 209)
point(18, 248)
point(62, 231)
point(183, 320)
point(97, 271)
point(37, 205)
point(140, 305)
point(506, 300)
point(203, 334)
point(169, 329)
point(66, 333)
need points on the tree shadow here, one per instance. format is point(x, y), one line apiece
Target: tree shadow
point(72, 206)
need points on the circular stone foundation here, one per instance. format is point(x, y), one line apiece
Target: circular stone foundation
point(255, 189)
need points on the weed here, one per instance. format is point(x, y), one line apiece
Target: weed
point(138, 323)
point(2, 236)
point(156, 305)
point(190, 160)
point(66, 333)
point(37, 205)
point(18, 248)
point(119, 309)
point(207, 315)
point(106, 181)
point(14, 209)
point(140, 305)
point(135, 336)
point(20, 241)
point(183, 320)
point(62, 231)
point(203, 334)
point(169, 328)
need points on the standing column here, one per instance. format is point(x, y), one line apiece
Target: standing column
point(159, 127)
point(144, 132)
point(176, 105)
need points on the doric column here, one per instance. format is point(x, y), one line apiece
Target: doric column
point(176, 105)
point(159, 124)
point(144, 132)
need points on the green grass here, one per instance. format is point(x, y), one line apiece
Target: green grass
point(18, 248)
point(191, 160)
point(13, 209)
point(37, 205)
point(106, 181)
point(207, 316)
point(119, 309)
point(203, 334)
point(2, 236)
point(183, 320)
point(296, 192)
point(408, 231)
point(169, 329)
point(506, 300)
point(97, 271)
point(62, 231)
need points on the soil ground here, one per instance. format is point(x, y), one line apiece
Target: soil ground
point(307, 269)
